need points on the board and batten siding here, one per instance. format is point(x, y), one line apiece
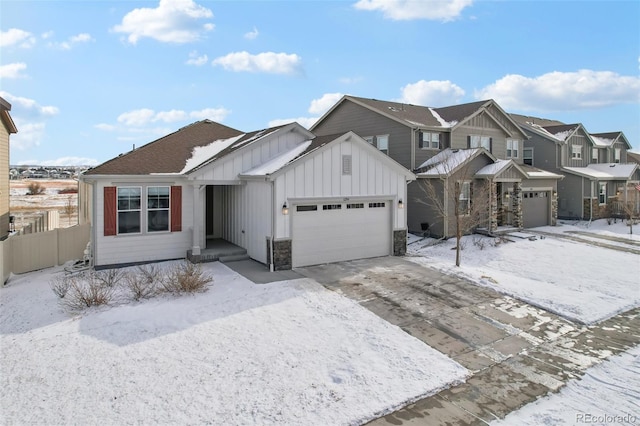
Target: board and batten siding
point(567, 151)
point(483, 125)
point(320, 177)
point(142, 247)
point(349, 116)
point(246, 220)
point(4, 181)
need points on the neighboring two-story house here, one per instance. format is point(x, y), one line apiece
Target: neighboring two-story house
point(7, 127)
point(469, 145)
point(598, 179)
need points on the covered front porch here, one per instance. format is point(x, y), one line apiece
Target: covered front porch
point(218, 249)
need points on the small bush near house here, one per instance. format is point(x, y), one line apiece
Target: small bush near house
point(86, 291)
point(186, 277)
point(142, 284)
point(35, 188)
point(479, 242)
point(60, 285)
point(109, 277)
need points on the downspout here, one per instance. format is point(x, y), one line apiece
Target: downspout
point(273, 225)
point(413, 149)
point(445, 197)
point(590, 201)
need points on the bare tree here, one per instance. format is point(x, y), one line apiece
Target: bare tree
point(69, 208)
point(457, 197)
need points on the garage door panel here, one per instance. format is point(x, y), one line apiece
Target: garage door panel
point(535, 208)
point(325, 236)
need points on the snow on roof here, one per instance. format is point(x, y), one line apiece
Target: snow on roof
point(279, 161)
point(605, 170)
point(200, 154)
point(441, 120)
point(494, 168)
point(601, 142)
point(260, 134)
point(446, 161)
point(542, 130)
point(415, 123)
point(563, 135)
point(541, 174)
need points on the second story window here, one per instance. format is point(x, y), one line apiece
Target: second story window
point(429, 140)
point(576, 152)
point(383, 143)
point(594, 155)
point(513, 148)
point(616, 155)
point(476, 141)
point(527, 156)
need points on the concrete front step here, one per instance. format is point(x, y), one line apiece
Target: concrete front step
point(233, 258)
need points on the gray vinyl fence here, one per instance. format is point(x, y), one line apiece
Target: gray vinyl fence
point(30, 252)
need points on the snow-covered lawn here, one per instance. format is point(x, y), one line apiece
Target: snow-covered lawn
point(284, 353)
point(575, 280)
point(608, 393)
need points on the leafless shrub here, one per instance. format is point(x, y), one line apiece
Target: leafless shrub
point(60, 285)
point(143, 283)
point(186, 277)
point(109, 277)
point(479, 242)
point(87, 291)
point(35, 188)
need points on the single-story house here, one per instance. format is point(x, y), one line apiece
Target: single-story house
point(288, 197)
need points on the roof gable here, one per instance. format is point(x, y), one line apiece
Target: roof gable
point(5, 116)
point(610, 138)
point(168, 154)
point(449, 161)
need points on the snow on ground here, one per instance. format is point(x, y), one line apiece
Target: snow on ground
point(608, 393)
point(290, 353)
point(575, 280)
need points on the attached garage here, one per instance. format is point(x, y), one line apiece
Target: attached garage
point(536, 208)
point(334, 231)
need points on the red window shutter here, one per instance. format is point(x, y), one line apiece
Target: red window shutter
point(110, 211)
point(176, 208)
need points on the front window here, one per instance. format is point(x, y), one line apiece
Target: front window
point(512, 148)
point(576, 152)
point(157, 208)
point(464, 200)
point(129, 210)
point(429, 140)
point(383, 143)
point(527, 156)
point(480, 142)
point(616, 155)
point(602, 196)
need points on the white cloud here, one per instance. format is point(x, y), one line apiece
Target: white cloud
point(29, 134)
point(28, 107)
point(173, 21)
point(144, 116)
point(252, 35)
point(72, 41)
point(432, 93)
point(105, 127)
point(305, 122)
point(556, 91)
point(268, 62)
point(214, 114)
point(350, 80)
point(17, 37)
point(404, 10)
point(196, 60)
point(138, 117)
point(322, 105)
point(47, 35)
point(13, 70)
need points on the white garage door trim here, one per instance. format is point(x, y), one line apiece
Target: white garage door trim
point(533, 203)
point(333, 231)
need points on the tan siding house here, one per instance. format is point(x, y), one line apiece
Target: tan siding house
point(6, 129)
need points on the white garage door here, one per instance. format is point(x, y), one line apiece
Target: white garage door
point(333, 232)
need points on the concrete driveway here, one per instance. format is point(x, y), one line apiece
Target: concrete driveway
point(515, 351)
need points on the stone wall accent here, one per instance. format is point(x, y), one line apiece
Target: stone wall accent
point(517, 205)
point(400, 242)
point(554, 208)
point(282, 255)
point(493, 219)
point(599, 212)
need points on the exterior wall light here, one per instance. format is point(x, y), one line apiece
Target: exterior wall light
point(400, 204)
point(285, 209)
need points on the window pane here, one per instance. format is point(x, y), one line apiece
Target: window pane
point(158, 220)
point(128, 222)
point(383, 143)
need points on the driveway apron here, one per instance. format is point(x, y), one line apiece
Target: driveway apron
point(516, 352)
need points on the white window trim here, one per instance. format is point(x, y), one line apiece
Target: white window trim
point(386, 150)
point(524, 149)
point(466, 198)
point(480, 139)
point(139, 210)
point(516, 143)
point(148, 209)
point(617, 153)
point(428, 143)
point(601, 186)
point(576, 152)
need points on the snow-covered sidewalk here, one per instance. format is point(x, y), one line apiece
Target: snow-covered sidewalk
point(575, 280)
point(284, 353)
point(608, 393)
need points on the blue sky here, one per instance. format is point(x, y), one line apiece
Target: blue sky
point(89, 79)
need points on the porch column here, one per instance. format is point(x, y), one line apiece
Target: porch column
point(197, 220)
point(493, 194)
point(517, 199)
